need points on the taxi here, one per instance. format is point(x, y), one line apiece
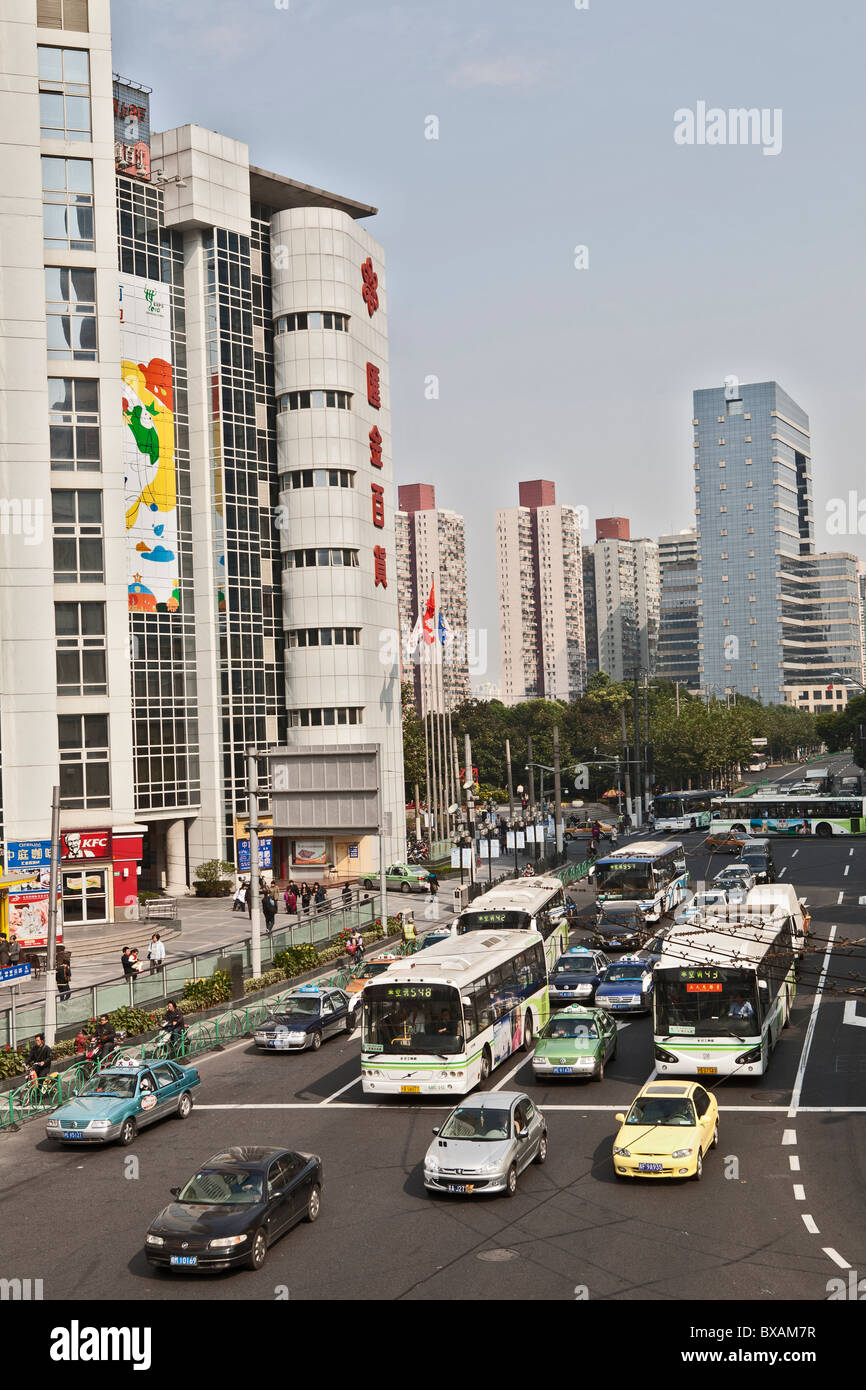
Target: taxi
point(721, 841)
point(670, 1127)
point(121, 1100)
point(304, 1019)
point(627, 987)
point(576, 1042)
point(575, 975)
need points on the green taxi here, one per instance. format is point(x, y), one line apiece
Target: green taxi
point(575, 1042)
point(119, 1101)
point(400, 878)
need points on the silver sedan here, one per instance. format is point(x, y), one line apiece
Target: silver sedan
point(485, 1143)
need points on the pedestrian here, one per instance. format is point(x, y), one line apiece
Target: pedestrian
point(106, 1037)
point(127, 964)
point(305, 897)
point(269, 908)
point(62, 975)
point(248, 899)
point(156, 953)
point(4, 953)
point(321, 897)
point(14, 951)
point(359, 942)
point(40, 1058)
point(351, 948)
point(239, 901)
point(137, 965)
point(433, 882)
point(346, 895)
point(292, 895)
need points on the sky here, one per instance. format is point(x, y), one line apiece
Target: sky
point(556, 130)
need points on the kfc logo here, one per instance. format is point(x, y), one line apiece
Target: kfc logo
point(85, 844)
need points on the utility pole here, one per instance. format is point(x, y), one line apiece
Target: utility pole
point(646, 744)
point(531, 775)
point(510, 783)
point(470, 809)
point(51, 964)
point(557, 791)
point(678, 699)
point(255, 903)
point(383, 886)
point(628, 800)
point(637, 798)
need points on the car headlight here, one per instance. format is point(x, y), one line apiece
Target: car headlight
point(153, 1240)
point(99, 1124)
point(682, 1153)
point(586, 1061)
point(488, 1168)
point(583, 989)
point(432, 1165)
point(621, 1153)
point(294, 1037)
point(222, 1242)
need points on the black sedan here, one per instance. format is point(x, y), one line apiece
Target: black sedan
point(234, 1208)
point(620, 926)
point(309, 1015)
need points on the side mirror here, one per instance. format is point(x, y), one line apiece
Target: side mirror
point(620, 1119)
point(436, 1130)
point(175, 1191)
point(523, 1135)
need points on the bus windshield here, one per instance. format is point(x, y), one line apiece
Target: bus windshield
point(507, 918)
point(410, 1019)
point(725, 1006)
point(624, 879)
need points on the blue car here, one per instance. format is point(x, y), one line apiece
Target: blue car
point(121, 1100)
point(627, 987)
point(575, 976)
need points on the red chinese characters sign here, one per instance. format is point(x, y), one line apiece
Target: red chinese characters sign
point(85, 844)
point(375, 439)
point(378, 504)
point(379, 568)
point(370, 286)
point(373, 391)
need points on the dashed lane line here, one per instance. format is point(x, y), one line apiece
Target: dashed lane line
point(836, 1257)
point(810, 1030)
point(809, 1223)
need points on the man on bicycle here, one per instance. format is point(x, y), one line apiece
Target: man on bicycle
point(173, 1023)
point(40, 1058)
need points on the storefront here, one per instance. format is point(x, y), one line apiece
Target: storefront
point(99, 874)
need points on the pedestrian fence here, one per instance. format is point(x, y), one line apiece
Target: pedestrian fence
point(40, 1097)
point(149, 991)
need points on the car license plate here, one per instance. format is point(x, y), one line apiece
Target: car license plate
point(460, 1187)
point(649, 1167)
point(413, 1089)
point(707, 1071)
point(71, 1134)
point(562, 1071)
point(184, 1259)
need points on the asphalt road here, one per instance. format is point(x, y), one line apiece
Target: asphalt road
point(780, 1211)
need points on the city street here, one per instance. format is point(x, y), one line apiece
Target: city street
point(780, 1211)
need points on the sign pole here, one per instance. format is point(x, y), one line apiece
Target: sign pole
point(13, 1030)
point(51, 964)
point(255, 905)
point(383, 885)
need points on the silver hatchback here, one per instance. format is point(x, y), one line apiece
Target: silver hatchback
point(485, 1143)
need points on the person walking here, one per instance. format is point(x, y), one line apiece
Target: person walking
point(127, 963)
point(240, 899)
point(269, 908)
point(321, 898)
point(305, 897)
point(156, 953)
point(248, 899)
point(62, 975)
point(433, 882)
point(346, 895)
point(14, 951)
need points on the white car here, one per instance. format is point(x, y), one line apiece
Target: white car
point(736, 880)
point(708, 900)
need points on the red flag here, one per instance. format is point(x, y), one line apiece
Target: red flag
point(429, 615)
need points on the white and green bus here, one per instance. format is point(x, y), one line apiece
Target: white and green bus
point(786, 813)
point(722, 993)
point(682, 810)
point(522, 904)
point(438, 1022)
point(650, 873)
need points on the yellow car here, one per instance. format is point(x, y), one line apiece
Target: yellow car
point(667, 1131)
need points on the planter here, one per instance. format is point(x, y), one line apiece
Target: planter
point(212, 890)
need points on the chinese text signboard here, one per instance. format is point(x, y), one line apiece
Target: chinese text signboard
point(265, 854)
point(131, 131)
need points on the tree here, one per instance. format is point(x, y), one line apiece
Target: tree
point(414, 767)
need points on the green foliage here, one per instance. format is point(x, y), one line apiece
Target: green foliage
point(846, 728)
point(214, 871)
point(270, 977)
point(413, 742)
point(147, 894)
point(295, 960)
point(206, 993)
point(133, 1020)
point(11, 1063)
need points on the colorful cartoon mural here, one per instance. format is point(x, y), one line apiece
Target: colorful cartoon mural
point(148, 446)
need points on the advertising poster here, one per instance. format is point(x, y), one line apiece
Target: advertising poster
point(28, 912)
point(150, 480)
point(310, 852)
point(244, 862)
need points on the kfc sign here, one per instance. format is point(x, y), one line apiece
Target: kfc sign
point(85, 844)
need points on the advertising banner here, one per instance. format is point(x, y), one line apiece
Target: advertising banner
point(148, 442)
point(310, 852)
point(131, 130)
point(265, 850)
point(28, 854)
point(28, 912)
point(85, 844)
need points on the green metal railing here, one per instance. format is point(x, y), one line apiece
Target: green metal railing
point(35, 1098)
point(570, 872)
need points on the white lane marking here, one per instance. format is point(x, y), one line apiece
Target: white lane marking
point(810, 1225)
point(342, 1089)
point(789, 1136)
point(577, 1109)
point(851, 1015)
point(845, 870)
point(794, 1161)
point(836, 1257)
point(850, 852)
point(795, 853)
point(839, 899)
point(799, 1192)
point(810, 1030)
point(782, 870)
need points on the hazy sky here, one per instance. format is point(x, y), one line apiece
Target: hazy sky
point(556, 130)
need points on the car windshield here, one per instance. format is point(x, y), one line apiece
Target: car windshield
point(569, 1028)
point(623, 972)
point(115, 1086)
point(297, 1007)
point(661, 1110)
point(374, 968)
point(223, 1187)
point(487, 1124)
point(575, 965)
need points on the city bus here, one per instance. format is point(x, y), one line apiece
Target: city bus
point(651, 873)
point(440, 1021)
point(723, 992)
point(682, 810)
point(781, 813)
point(522, 904)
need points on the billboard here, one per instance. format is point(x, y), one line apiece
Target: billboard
point(149, 473)
point(85, 844)
point(265, 855)
point(28, 912)
point(131, 129)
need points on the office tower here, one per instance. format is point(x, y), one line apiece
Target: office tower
point(156, 284)
point(431, 554)
point(626, 581)
point(831, 588)
point(677, 654)
point(763, 592)
point(540, 577)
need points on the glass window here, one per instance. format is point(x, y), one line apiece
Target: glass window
point(70, 313)
point(67, 204)
point(64, 93)
point(80, 648)
point(62, 14)
point(84, 769)
point(77, 534)
point(73, 405)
